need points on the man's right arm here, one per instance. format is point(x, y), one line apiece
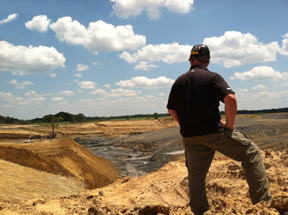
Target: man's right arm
point(173, 113)
point(230, 111)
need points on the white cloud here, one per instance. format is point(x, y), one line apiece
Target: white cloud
point(81, 67)
point(31, 93)
point(10, 18)
point(285, 84)
point(66, 93)
point(6, 96)
point(235, 48)
point(36, 100)
point(20, 85)
point(78, 75)
point(117, 93)
point(15, 100)
point(272, 95)
point(26, 60)
point(107, 85)
point(124, 8)
point(167, 53)
point(143, 65)
point(243, 91)
point(98, 92)
point(38, 23)
point(284, 49)
point(259, 87)
point(53, 75)
point(260, 73)
point(257, 100)
point(144, 82)
point(96, 63)
point(86, 84)
point(57, 99)
point(99, 36)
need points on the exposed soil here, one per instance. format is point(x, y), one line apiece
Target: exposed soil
point(59, 176)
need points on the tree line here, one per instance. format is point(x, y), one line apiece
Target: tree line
point(68, 117)
point(80, 117)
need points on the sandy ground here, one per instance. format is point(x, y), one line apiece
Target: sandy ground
point(166, 192)
point(59, 176)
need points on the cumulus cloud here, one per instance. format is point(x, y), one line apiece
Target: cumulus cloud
point(235, 48)
point(26, 60)
point(20, 85)
point(66, 93)
point(122, 93)
point(167, 53)
point(284, 49)
point(144, 82)
point(125, 9)
point(260, 73)
point(273, 95)
point(259, 87)
point(115, 93)
point(285, 84)
point(53, 75)
point(107, 85)
point(31, 93)
point(99, 36)
point(38, 23)
point(81, 67)
point(13, 99)
point(98, 92)
point(254, 100)
point(96, 63)
point(10, 18)
point(36, 100)
point(78, 75)
point(6, 96)
point(143, 65)
point(86, 84)
point(57, 99)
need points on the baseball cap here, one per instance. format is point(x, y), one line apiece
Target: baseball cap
point(200, 50)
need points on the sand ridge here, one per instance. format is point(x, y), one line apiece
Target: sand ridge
point(166, 192)
point(59, 176)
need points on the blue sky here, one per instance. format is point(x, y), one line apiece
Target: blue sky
point(118, 57)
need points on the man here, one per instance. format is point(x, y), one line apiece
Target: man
point(194, 103)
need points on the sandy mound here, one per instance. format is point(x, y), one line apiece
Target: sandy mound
point(18, 183)
point(49, 176)
point(104, 128)
point(62, 156)
point(166, 192)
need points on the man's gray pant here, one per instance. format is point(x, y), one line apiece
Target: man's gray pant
point(199, 151)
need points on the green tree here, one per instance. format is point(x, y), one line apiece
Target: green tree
point(81, 117)
point(155, 115)
point(67, 117)
point(48, 118)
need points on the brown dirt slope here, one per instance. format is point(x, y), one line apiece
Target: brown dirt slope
point(105, 128)
point(19, 183)
point(166, 192)
point(61, 156)
point(28, 187)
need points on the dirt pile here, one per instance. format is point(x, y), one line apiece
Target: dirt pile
point(166, 192)
point(62, 156)
point(20, 184)
point(116, 128)
point(51, 176)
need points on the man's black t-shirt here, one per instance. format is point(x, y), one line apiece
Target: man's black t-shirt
point(195, 96)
